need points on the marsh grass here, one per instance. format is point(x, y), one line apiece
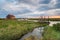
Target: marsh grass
point(51, 34)
point(13, 29)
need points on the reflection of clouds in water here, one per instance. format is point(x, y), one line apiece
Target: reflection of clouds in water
point(38, 32)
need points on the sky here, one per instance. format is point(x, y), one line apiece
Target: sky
point(29, 8)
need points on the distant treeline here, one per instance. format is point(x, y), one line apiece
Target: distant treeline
point(2, 18)
point(54, 19)
point(50, 19)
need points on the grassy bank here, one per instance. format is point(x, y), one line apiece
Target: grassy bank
point(13, 29)
point(52, 33)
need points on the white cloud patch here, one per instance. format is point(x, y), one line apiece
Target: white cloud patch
point(53, 12)
point(54, 4)
point(18, 7)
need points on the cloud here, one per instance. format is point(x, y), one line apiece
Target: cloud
point(54, 4)
point(53, 12)
point(30, 2)
point(43, 7)
point(31, 8)
point(44, 1)
point(18, 7)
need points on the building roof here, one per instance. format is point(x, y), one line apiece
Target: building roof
point(10, 16)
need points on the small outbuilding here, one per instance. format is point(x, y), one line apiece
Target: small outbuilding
point(10, 16)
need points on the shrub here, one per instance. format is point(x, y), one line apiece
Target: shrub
point(56, 27)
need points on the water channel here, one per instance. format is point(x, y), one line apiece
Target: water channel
point(38, 31)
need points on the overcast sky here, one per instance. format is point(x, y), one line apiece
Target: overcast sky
point(29, 8)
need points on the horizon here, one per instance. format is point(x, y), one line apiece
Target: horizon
point(44, 17)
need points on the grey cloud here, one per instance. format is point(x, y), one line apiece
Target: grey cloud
point(30, 2)
point(43, 8)
point(41, 5)
point(44, 1)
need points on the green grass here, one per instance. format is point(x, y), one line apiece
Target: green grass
point(51, 34)
point(13, 29)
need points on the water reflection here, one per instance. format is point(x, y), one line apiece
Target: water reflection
point(36, 32)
